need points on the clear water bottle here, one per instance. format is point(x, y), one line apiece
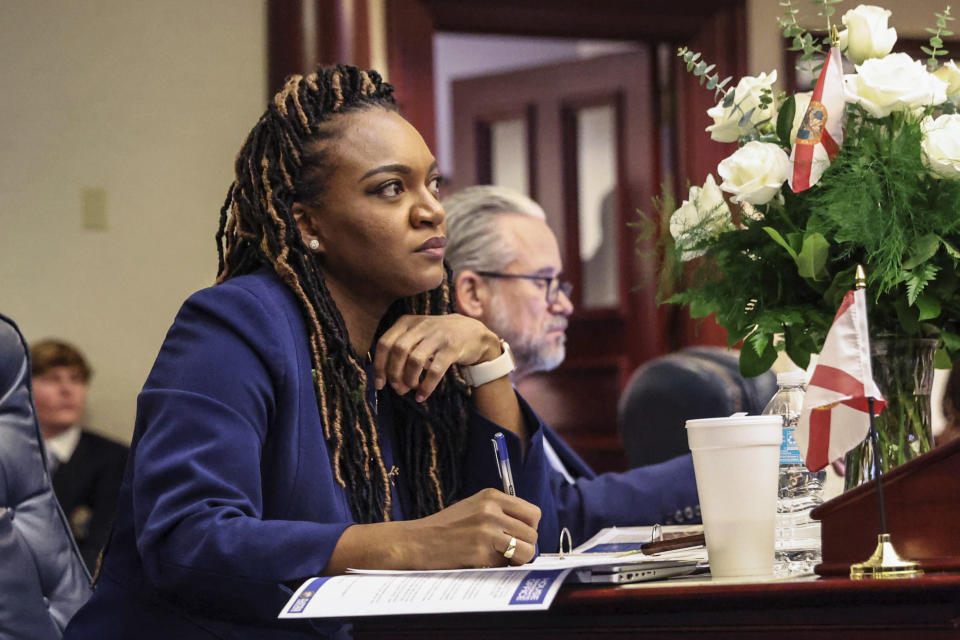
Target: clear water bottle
point(799, 491)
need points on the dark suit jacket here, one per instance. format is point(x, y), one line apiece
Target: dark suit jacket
point(87, 486)
point(664, 493)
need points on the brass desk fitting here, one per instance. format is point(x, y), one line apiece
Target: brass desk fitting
point(885, 564)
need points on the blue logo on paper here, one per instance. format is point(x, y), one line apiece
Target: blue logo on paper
point(534, 587)
point(306, 595)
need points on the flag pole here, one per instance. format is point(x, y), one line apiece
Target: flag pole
point(861, 283)
point(885, 563)
point(875, 445)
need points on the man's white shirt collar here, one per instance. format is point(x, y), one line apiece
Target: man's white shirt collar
point(554, 459)
point(63, 445)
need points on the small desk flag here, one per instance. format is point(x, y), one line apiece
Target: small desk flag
point(835, 416)
point(821, 133)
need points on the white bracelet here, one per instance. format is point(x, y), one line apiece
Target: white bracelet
point(484, 372)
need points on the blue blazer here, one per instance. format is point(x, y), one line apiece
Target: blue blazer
point(229, 499)
point(664, 493)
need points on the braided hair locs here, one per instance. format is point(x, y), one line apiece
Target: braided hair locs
point(283, 161)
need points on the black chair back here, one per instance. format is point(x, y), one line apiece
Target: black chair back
point(696, 382)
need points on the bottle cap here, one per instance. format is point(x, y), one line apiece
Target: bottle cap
point(792, 378)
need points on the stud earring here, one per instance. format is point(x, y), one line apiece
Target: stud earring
point(314, 245)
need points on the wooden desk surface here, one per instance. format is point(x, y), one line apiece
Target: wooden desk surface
point(927, 607)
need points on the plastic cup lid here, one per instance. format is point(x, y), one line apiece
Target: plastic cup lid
point(726, 421)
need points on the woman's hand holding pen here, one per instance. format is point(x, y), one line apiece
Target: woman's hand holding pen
point(474, 532)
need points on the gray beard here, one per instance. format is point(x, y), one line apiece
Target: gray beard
point(532, 353)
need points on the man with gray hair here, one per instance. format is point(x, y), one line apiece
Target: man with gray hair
point(507, 273)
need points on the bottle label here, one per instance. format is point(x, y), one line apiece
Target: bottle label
point(789, 451)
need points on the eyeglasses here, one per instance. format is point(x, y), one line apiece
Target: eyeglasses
point(554, 285)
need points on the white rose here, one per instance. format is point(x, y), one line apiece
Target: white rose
point(726, 120)
point(703, 215)
point(894, 83)
point(950, 74)
point(802, 101)
point(941, 145)
point(755, 172)
point(867, 35)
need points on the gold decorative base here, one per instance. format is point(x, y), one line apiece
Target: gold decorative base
point(885, 564)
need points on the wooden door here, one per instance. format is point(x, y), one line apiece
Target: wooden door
point(581, 139)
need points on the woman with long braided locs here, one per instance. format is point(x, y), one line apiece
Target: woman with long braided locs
point(311, 412)
point(284, 160)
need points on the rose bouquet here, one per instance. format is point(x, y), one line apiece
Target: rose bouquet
point(772, 259)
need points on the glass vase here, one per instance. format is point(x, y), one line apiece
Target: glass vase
point(903, 371)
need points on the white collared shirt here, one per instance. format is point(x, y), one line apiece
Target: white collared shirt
point(64, 444)
point(554, 459)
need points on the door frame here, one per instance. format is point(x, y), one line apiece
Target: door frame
point(717, 28)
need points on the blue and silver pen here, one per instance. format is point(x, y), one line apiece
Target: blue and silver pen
point(503, 463)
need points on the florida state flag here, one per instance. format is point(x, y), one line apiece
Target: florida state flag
point(835, 416)
point(821, 133)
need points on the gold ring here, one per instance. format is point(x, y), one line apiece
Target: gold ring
point(511, 548)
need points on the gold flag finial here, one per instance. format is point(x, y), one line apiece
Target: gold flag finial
point(861, 281)
point(834, 36)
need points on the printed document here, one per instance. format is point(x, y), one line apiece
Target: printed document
point(367, 594)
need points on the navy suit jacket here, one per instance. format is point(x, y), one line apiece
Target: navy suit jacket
point(87, 486)
point(664, 493)
point(229, 497)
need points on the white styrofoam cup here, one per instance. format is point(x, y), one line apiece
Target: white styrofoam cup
point(736, 461)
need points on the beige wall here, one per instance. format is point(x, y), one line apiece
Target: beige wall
point(764, 43)
point(149, 100)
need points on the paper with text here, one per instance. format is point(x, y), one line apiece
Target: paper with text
point(363, 594)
